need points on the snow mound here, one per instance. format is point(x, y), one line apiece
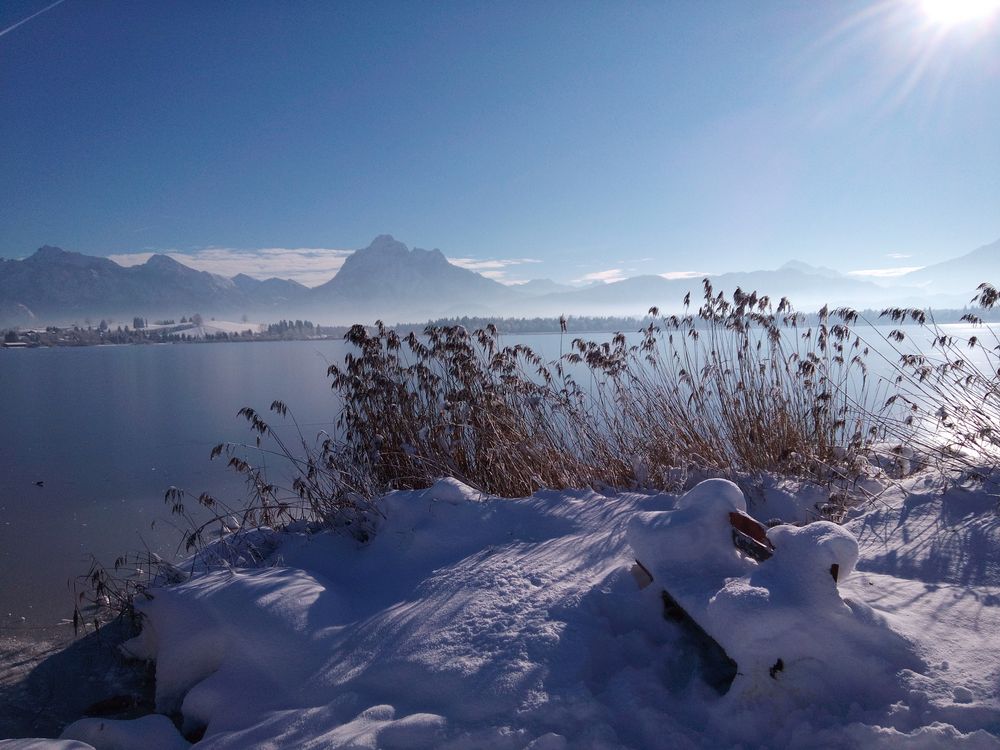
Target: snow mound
point(450, 490)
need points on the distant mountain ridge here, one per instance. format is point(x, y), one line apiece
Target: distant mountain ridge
point(632, 296)
point(56, 284)
point(964, 272)
point(538, 287)
point(390, 281)
point(798, 265)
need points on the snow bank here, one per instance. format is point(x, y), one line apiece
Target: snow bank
point(476, 622)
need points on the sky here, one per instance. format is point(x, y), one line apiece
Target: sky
point(577, 141)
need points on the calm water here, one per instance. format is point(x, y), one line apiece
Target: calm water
point(108, 429)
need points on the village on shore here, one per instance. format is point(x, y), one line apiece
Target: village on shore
point(186, 330)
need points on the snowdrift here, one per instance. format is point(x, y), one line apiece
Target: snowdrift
point(478, 622)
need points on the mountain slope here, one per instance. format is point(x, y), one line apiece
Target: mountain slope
point(798, 265)
point(959, 276)
point(271, 291)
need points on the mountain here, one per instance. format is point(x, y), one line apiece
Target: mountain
point(55, 285)
point(798, 265)
point(958, 277)
point(388, 280)
point(162, 281)
point(52, 279)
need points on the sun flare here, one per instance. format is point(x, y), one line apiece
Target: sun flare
point(954, 12)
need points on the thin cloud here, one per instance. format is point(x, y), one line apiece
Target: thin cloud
point(310, 266)
point(608, 276)
point(885, 273)
point(492, 268)
point(898, 256)
point(475, 264)
point(671, 275)
point(33, 15)
point(499, 276)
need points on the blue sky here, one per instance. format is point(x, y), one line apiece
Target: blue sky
point(594, 139)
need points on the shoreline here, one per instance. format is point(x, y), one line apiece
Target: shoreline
point(74, 337)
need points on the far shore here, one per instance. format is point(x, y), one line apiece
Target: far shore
point(215, 331)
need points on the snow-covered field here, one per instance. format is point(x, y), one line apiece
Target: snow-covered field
point(213, 328)
point(475, 622)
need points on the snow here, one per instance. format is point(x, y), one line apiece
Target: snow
point(212, 328)
point(153, 732)
point(470, 621)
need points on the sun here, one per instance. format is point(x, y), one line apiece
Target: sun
point(955, 12)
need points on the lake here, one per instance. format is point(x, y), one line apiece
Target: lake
point(106, 430)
